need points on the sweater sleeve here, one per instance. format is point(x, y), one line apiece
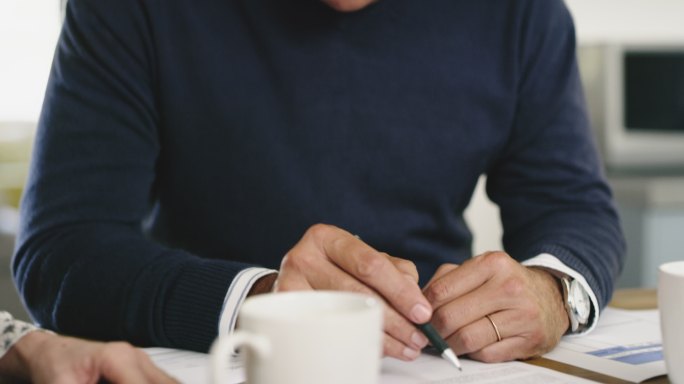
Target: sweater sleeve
point(83, 264)
point(548, 181)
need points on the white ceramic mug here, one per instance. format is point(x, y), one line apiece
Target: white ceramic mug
point(671, 307)
point(305, 337)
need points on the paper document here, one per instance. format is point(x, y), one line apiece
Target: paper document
point(430, 369)
point(625, 344)
point(193, 368)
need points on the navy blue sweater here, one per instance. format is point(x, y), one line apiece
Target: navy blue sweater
point(183, 140)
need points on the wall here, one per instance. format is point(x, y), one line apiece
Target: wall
point(28, 32)
point(596, 21)
point(632, 20)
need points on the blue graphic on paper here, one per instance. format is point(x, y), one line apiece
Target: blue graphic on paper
point(632, 354)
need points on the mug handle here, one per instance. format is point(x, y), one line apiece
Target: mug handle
point(226, 346)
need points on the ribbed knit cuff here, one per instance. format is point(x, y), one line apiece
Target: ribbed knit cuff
point(193, 307)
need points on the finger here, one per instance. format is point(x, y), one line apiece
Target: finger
point(290, 278)
point(511, 324)
point(475, 336)
point(402, 330)
point(511, 348)
point(321, 274)
point(525, 328)
point(398, 350)
point(469, 308)
point(407, 267)
point(378, 272)
point(119, 364)
point(441, 272)
point(153, 373)
point(467, 277)
point(329, 277)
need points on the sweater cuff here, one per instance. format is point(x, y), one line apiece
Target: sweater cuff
point(237, 292)
point(192, 307)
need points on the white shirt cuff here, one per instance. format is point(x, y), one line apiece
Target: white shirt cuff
point(549, 261)
point(237, 292)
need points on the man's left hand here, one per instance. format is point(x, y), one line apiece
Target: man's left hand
point(493, 292)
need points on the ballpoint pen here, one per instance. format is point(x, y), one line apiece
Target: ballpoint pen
point(436, 340)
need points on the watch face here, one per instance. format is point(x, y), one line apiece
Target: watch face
point(580, 300)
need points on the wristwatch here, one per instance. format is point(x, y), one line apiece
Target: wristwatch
point(577, 304)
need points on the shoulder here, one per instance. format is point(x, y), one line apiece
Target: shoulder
point(545, 31)
point(106, 16)
point(544, 15)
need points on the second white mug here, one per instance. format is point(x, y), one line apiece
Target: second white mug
point(671, 307)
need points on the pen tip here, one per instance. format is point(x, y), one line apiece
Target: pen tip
point(451, 357)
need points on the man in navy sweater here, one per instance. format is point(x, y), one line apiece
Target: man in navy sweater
point(192, 153)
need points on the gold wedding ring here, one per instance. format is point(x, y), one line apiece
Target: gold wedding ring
point(496, 329)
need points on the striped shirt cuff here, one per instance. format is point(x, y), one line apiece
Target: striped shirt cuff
point(237, 292)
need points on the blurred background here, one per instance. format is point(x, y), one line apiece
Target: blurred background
point(631, 56)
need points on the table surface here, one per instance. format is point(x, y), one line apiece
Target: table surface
point(625, 299)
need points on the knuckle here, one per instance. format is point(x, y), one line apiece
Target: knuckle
point(442, 319)
point(487, 253)
point(298, 261)
point(543, 348)
point(283, 285)
point(437, 291)
point(349, 285)
point(369, 265)
point(319, 230)
point(406, 266)
point(443, 268)
point(121, 346)
point(537, 340)
point(491, 356)
point(468, 341)
point(118, 349)
point(534, 313)
point(513, 287)
point(498, 261)
point(286, 262)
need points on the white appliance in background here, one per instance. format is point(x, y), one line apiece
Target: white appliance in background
point(635, 95)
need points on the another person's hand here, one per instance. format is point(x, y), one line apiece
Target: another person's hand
point(329, 258)
point(524, 306)
point(41, 357)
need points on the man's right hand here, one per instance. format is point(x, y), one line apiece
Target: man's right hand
point(329, 258)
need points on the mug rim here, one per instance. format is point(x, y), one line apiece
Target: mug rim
point(325, 303)
point(675, 268)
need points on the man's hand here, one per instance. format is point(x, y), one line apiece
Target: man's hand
point(525, 304)
point(41, 357)
point(329, 258)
